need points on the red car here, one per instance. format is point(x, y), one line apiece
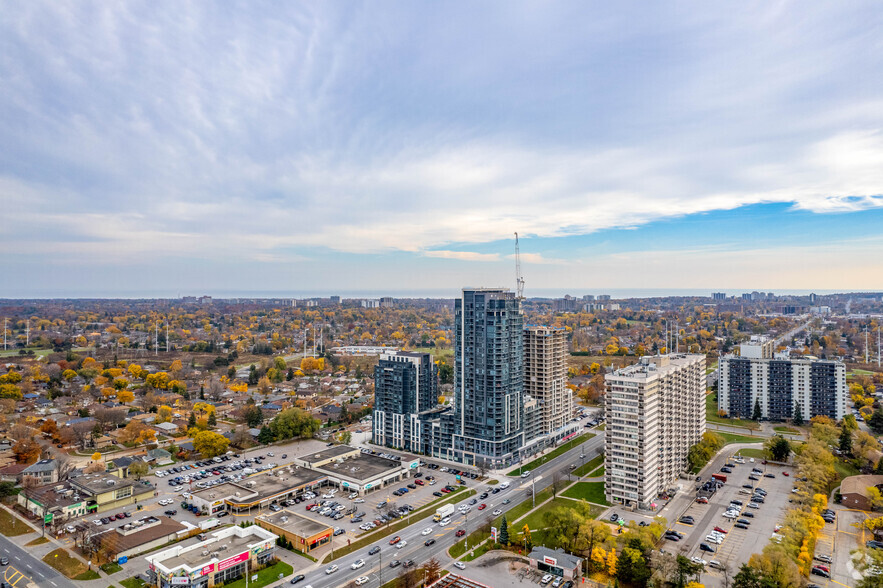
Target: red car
point(482, 506)
point(460, 533)
point(702, 500)
point(445, 490)
point(719, 530)
point(418, 482)
point(785, 474)
point(395, 540)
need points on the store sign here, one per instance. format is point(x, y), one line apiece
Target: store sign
point(206, 570)
point(179, 581)
point(227, 563)
point(550, 560)
point(415, 464)
point(368, 486)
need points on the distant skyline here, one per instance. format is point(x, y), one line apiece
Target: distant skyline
point(202, 148)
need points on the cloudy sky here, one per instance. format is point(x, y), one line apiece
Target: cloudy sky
point(165, 148)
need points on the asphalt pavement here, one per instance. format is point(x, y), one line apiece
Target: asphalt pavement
point(31, 569)
point(377, 566)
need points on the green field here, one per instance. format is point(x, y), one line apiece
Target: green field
point(535, 520)
point(597, 473)
point(552, 454)
point(734, 438)
point(268, 575)
point(783, 429)
point(589, 491)
point(755, 453)
point(589, 466)
point(11, 526)
point(132, 582)
point(845, 469)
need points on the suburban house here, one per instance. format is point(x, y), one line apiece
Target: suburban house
point(44, 472)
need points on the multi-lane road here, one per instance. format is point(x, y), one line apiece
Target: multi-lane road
point(24, 569)
point(377, 566)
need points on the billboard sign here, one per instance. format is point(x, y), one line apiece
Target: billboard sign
point(232, 561)
point(550, 560)
point(206, 570)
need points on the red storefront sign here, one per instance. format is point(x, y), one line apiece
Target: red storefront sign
point(232, 561)
point(206, 570)
point(550, 560)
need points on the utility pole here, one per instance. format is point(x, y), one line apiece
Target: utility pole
point(155, 338)
point(167, 336)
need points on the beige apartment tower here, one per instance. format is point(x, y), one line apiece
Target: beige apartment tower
point(545, 375)
point(655, 412)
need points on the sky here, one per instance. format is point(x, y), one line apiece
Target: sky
point(166, 148)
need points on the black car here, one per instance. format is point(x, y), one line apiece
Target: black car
point(820, 572)
point(408, 563)
point(437, 493)
point(106, 520)
point(339, 532)
point(429, 542)
point(740, 526)
point(872, 544)
point(749, 486)
point(171, 513)
point(374, 550)
point(567, 584)
point(297, 578)
point(726, 470)
point(706, 547)
point(750, 515)
point(4, 561)
point(672, 537)
point(744, 521)
point(769, 475)
point(687, 520)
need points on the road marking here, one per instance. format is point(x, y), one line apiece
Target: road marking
point(53, 583)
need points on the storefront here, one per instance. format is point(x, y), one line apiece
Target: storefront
point(555, 562)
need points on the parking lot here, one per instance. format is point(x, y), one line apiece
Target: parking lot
point(737, 544)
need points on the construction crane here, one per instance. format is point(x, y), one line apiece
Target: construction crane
point(519, 279)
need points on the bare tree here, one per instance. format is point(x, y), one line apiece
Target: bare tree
point(557, 482)
point(431, 571)
point(109, 417)
point(64, 465)
point(726, 573)
point(408, 578)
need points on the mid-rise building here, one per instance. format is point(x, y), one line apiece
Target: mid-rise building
point(655, 413)
point(780, 386)
point(488, 395)
point(545, 375)
point(719, 295)
point(405, 384)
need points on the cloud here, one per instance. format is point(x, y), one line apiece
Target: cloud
point(463, 255)
point(170, 130)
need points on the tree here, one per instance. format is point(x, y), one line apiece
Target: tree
point(849, 422)
point(612, 560)
point(125, 396)
point(503, 537)
point(879, 469)
point(798, 415)
point(266, 435)
point(686, 569)
point(210, 444)
point(191, 422)
point(864, 446)
point(875, 498)
point(875, 423)
point(777, 448)
point(264, 386)
point(755, 416)
point(27, 450)
point(846, 441)
point(292, 423)
point(253, 415)
point(138, 469)
point(525, 538)
point(632, 566)
point(431, 571)
point(64, 466)
point(212, 420)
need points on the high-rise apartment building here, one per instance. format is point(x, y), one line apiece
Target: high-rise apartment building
point(655, 413)
point(545, 375)
point(781, 386)
point(488, 396)
point(405, 385)
point(719, 295)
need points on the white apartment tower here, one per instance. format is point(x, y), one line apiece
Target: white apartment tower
point(545, 375)
point(655, 412)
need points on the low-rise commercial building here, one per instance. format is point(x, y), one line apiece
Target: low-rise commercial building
point(304, 533)
point(138, 536)
point(258, 491)
point(226, 555)
point(91, 493)
point(555, 562)
point(351, 470)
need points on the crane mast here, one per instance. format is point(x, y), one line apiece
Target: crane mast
point(519, 279)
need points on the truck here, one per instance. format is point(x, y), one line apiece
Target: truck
point(442, 512)
point(209, 524)
point(719, 477)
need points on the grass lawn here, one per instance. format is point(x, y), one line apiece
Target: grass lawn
point(845, 469)
point(601, 427)
point(782, 429)
point(734, 438)
point(111, 567)
point(484, 548)
point(553, 454)
point(62, 561)
point(535, 520)
point(711, 412)
point(755, 453)
point(476, 537)
point(417, 515)
point(87, 575)
point(589, 491)
point(38, 541)
point(597, 473)
point(589, 466)
point(493, 482)
point(268, 575)
point(14, 353)
point(10, 526)
point(132, 582)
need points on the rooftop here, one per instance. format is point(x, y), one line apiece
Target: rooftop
point(859, 484)
point(327, 453)
point(44, 465)
point(221, 545)
point(295, 523)
point(279, 481)
point(654, 366)
point(117, 542)
point(362, 467)
point(565, 560)
point(103, 482)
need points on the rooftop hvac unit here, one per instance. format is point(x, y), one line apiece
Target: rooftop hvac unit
point(59, 488)
point(223, 547)
point(204, 552)
point(215, 554)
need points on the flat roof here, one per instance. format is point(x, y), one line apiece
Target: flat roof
point(222, 491)
point(362, 467)
point(273, 483)
point(327, 453)
point(118, 542)
point(294, 523)
point(194, 558)
point(103, 482)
